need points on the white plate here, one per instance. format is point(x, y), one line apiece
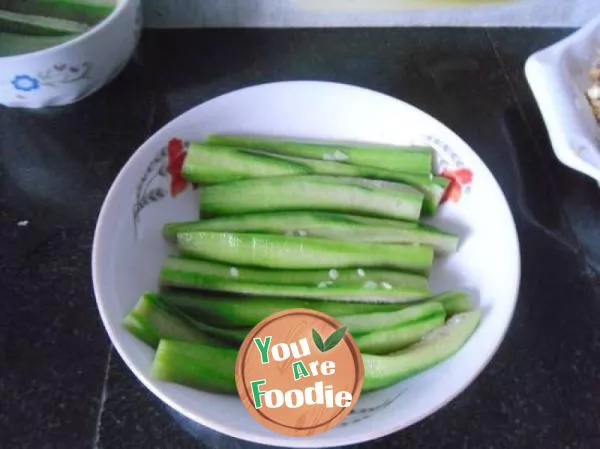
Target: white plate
point(559, 78)
point(128, 251)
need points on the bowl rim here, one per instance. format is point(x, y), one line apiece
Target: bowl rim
point(95, 29)
point(276, 440)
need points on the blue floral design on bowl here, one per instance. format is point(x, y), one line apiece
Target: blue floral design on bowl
point(25, 83)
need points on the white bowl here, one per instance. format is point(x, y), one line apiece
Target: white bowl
point(559, 78)
point(128, 247)
point(75, 69)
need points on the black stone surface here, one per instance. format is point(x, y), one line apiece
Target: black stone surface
point(61, 385)
point(578, 195)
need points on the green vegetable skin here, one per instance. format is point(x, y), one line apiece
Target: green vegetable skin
point(455, 302)
point(358, 293)
point(217, 334)
point(150, 322)
point(208, 368)
point(388, 340)
point(330, 226)
point(375, 333)
point(86, 11)
point(311, 278)
point(249, 311)
point(441, 344)
point(315, 193)
point(382, 320)
point(210, 164)
point(281, 252)
point(406, 159)
point(12, 44)
point(18, 23)
point(196, 365)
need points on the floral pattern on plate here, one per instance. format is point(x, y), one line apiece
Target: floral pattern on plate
point(164, 167)
point(450, 165)
point(360, 414)
point(52, 77)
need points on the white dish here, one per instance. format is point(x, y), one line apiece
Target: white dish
point(73, 70)
point(559, 78)
point(129, 249)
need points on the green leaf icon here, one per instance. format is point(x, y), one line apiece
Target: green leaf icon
point(331, 341)
point(334, 339)
point(318, 340)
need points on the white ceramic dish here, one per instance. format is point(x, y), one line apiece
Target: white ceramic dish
point(559, 78)
point(71, 71)
point(129, 250)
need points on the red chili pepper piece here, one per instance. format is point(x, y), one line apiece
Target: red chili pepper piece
point(176, 157)
point(457, 178)
point(464, 175)
point(452, 193)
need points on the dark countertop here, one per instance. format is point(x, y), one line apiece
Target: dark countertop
point(62, 385)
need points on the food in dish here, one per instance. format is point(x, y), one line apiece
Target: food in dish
point(31, 25)
point(287, 224)
point(593, 93)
